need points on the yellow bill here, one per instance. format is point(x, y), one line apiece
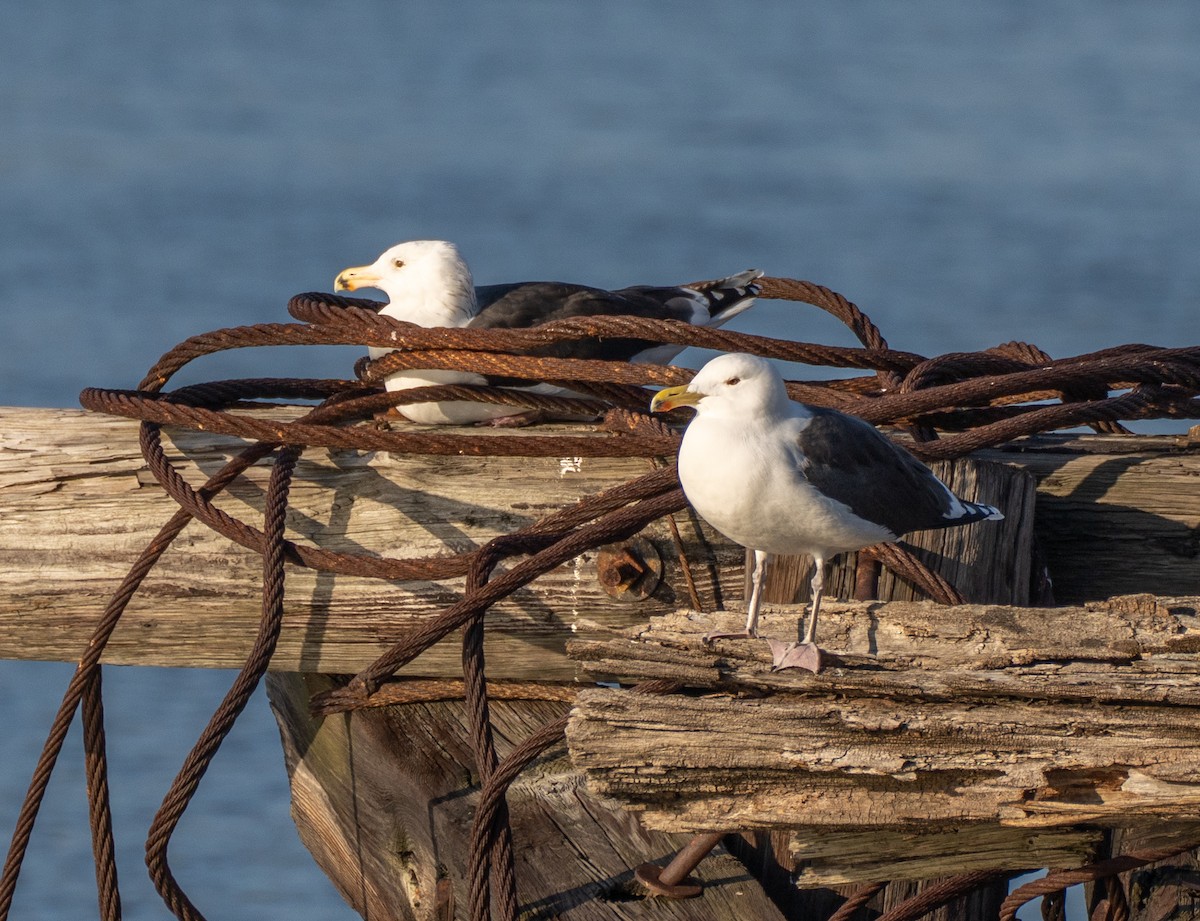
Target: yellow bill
point(671, 397)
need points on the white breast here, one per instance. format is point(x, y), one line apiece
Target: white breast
point(448, 412)
point(748, 484)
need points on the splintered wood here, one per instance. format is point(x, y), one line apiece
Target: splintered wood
point(981, 723)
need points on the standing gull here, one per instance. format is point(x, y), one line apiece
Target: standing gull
point(780, 477)
point(428, 283)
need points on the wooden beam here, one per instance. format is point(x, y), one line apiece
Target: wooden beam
point(981, 723)
point(821, 857)
point(77, 505)
point(1134, 648)
point(1117, 514)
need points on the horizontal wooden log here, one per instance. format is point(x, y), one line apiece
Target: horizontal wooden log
point(821, 857)
point(77, 505)
point(1133, 648)
point(947, 723)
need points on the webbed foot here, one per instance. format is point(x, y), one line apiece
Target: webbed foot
point(515, 421)
point(795, 655)
point(740, 635)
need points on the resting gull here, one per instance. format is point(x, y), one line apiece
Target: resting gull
point(780, 477)
point(428, 283)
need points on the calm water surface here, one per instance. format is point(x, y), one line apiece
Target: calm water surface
point(967, 176)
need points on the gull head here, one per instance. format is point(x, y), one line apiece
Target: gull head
point(731, 385)
point(427, 282)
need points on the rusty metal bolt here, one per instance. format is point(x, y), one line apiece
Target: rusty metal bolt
point(620, 569)
point(672, 881)
point(630, 570)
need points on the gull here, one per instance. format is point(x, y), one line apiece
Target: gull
point(428, 283)
point(782, 477)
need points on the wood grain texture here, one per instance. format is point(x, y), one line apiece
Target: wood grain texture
point(940, 724)
point(1116, 514)
point(77, 505)
point(824, 857)
point(384, 800)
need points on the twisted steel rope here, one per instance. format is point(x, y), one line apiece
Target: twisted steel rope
point(847, 909)
point(491, 858)
point(491, 808)
point(909, 567)
point(186, 782)
point(87, 670)
point(943, 893)
point(99, 804)
point(1058, 880)
point(615, 526)
point(491, 814)
point(434, 690)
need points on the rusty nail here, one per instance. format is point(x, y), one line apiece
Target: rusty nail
point(672, 880)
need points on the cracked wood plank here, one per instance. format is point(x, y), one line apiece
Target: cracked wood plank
point(77, 505)
point(931, 726)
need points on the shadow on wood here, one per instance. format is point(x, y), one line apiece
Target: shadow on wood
point(384, 800)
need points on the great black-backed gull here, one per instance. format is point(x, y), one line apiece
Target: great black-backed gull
point(780, 477)
point(428, 283)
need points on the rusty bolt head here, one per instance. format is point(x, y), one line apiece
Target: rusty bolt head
point(631, 570)
point(620, 568)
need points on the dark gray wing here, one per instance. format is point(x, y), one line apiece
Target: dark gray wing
point(849, 460)
point(526, 304)
point(530, 303)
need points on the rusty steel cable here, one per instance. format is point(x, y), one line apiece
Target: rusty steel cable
point(99, 802)
point(846, 911)
point(942, 893)
point(1057, 880)
point(951, 404)
point(183, 788)
point(491, 807)
point(491, 868)
point(87, 670)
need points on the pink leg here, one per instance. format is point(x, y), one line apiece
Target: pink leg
point(756, 580)
point(804, 654)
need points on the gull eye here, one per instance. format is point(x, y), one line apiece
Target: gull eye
point(398, 263)
point(732, 381)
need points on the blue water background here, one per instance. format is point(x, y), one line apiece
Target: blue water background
point(966, 174)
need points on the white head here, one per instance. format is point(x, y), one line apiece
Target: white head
point(427, 282)
point(735, 385)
